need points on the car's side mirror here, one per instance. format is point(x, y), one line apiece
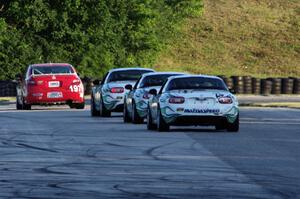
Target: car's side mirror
point(153, 92)
point(128, 87)
point(96, 82)
point(231, 90)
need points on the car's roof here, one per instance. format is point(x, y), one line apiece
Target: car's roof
point(51, 64)
point(190, 76)
point(126, 69)
point(162, 73)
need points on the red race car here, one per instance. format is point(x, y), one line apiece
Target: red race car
point(50, 84)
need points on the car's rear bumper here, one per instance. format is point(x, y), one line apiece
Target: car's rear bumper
point(36, 98)
point(199, 120)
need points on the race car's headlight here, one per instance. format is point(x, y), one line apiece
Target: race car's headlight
point(117, 90)
point(225, 100)
point(176, 100)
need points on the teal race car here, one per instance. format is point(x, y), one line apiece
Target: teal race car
point(193, 100)
point(136, 100)
point(108, 95)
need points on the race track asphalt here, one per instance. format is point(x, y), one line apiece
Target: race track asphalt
point(58, 153)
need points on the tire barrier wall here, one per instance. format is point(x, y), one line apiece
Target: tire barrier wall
point(252, 85)
point(240, 84)
point(7, 89)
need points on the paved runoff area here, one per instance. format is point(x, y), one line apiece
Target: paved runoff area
point(58, 153)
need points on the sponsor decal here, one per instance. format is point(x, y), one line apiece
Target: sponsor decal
point(201, 110)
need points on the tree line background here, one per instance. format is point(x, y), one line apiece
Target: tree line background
point(92, 35)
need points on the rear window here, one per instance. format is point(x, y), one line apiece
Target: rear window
point(129, 75)
point(44, 70)
point(154, 80)
point(196, 83)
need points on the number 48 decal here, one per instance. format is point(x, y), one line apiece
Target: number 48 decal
point(75, 88)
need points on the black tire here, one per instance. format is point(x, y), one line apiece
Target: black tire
point(19, 105)
point(26, 106)
point(161, 124)
point(103, 111)
point(150, 125)
point(126, 117)
point(235, 126)
point(136, 119)
point(94, 112)
point(79, 106)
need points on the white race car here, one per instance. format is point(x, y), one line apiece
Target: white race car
point(108, 95)
point(193, 100)
point(136, 101)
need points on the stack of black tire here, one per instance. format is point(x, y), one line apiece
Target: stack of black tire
point(7, 88)
point(256, 86)
point(296, 89)
point(251, 85)
point(247, 84)
point(276, 85)
point(238, 84)
point(287, 86)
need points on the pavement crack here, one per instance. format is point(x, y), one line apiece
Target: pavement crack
point(36, 148)
point(138, 194)
point(49, 171)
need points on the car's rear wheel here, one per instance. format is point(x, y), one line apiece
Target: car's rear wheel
point(136, 119)
point(103, 111)
point(79, 106)
point(235, 126)
point(94, 112)
point(26, 106)
point(161, 124)
point(126, 117)
point(150, 125)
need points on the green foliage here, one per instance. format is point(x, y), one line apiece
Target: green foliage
point(258, 38)
point(92, 35)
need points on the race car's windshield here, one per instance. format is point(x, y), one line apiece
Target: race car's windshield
point(126, 75)
point(154, 80)
point(196, 83)
point(45, 70)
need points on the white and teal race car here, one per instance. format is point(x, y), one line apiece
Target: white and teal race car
point(193, 100)
point(136, 101)
point(108, 95)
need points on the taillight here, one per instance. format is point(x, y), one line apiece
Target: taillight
point(147, 96)
point(225, 100)
point(176, 100)
point(117, 90)
point(31, 82)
